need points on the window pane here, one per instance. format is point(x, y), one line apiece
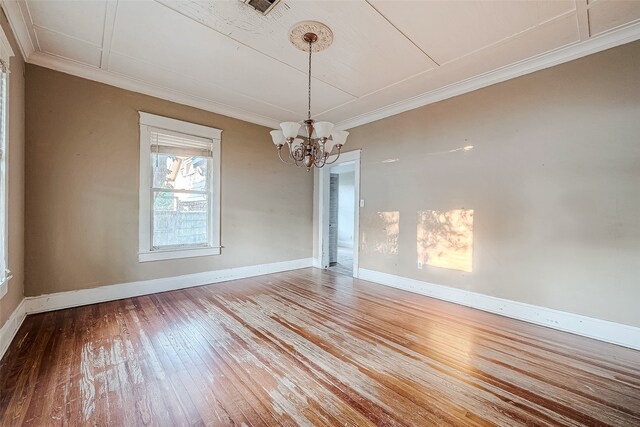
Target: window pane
point(179, 172)
point(180, 219)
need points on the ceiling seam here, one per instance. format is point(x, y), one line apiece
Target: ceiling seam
point(24, 8)
point(497, 43)
point(107, 35)
point(373, 92)
point(255, 50)
point(115, 73)
point(582, 16)
point(41, 27)
point(160, 67)
point(513, 36)
point(401, 32)
point(15, 20)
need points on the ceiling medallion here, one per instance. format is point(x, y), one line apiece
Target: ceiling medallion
point(314, 148)
point(298, 31)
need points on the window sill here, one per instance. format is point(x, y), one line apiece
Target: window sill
point(4, 285)
point(176, 254)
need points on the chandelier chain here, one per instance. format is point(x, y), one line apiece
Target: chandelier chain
point(309, 110)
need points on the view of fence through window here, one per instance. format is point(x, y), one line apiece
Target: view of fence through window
point(180, 200)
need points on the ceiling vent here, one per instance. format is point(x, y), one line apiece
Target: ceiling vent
point(262, 6)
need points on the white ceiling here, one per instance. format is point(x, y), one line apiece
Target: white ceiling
point(387, 56)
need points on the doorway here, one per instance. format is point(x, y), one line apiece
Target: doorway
point(339, 186)
point(341, 217)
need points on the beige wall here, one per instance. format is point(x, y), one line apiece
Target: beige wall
point(553, 179)
point(82, 188)
point(16, 179)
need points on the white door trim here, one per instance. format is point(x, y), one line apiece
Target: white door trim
point(321, 211)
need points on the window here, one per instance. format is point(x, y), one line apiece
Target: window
point(5, 54)
point(179, 189)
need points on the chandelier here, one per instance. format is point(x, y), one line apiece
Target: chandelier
point(319, 139)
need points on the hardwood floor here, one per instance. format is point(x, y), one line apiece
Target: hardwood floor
point(307, 348)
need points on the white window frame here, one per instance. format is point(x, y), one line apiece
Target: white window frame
point(5, 275)
point(145, 251)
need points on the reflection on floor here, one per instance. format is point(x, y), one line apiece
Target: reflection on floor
point(345, 261)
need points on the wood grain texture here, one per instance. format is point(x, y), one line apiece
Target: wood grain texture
point(307, 347)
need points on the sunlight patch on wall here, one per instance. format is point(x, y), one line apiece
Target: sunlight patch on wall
point(383, 235)
point(445, 239)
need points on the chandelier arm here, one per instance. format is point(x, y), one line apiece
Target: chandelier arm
point(298, 155)
point(295, 161)
point(320, 163)
point(321, 149)
point(283, 160)
point(318, 154)
point(291, 154)
point(334, 160)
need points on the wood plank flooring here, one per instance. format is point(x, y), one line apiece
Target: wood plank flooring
point(307, 347)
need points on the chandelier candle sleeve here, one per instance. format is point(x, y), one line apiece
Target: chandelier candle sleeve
point(316, 145)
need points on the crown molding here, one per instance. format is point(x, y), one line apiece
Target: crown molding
point(625, 34)
point(19, 27)
point(559, 56)
point(117, 80)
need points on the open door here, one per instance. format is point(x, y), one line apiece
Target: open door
point(337, 214)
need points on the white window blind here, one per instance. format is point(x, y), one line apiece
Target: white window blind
point(170, 139)
point(180, 174)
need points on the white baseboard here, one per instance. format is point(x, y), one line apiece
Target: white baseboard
point(60, 300)
point(11, 326)
point(603, 330)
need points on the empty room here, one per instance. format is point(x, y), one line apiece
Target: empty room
point(319, 212)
